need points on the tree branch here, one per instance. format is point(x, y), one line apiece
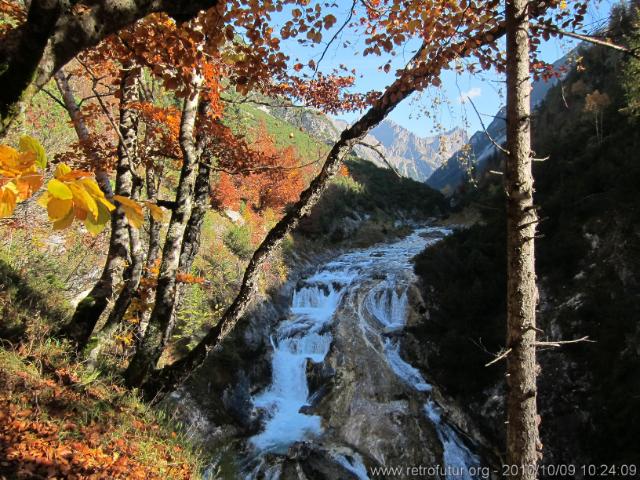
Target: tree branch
point(376, 149)
point(499, 357)
point(335, 35)
point(559, 343)
point(495, 144)
point(589, 39)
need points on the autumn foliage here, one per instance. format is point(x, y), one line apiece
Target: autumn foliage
point(272, 180)
point(70, 195)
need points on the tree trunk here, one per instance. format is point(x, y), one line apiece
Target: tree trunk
point(131, 280)
point(192, 234)
point(522, 419)
point(156, 335)
point(82, 131)
point(90, 309)
point(153, 248)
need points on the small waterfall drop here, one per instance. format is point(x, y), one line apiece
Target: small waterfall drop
point(297, 341)
point(458, 460)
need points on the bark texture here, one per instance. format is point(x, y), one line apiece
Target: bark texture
point(94, 304)
point(161, 321)
point(192, 234)
point(522, 419)
point(153, 251)
point(54, 33)
point(153, 181)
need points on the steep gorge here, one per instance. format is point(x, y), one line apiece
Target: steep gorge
point(328, 394)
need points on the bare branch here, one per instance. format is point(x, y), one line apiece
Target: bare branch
point(376, 149)
point(335, 35)
point(590, 39)
point(261, 102)
point(559, 343)
point(500, 356)
point(55, 99)
point(258, 169)
point(499, 147)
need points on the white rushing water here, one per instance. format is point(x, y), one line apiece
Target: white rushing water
point(458, 460)
point(305, 337)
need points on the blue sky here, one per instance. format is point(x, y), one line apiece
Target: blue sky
point(437, 109)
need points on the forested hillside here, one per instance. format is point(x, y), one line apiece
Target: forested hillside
point(586, 131)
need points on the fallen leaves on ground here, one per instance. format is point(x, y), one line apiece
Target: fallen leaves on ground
point(53, 426)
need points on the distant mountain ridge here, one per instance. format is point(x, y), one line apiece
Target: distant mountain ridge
point(414, 156)
point(410, 155)
point(480, 148)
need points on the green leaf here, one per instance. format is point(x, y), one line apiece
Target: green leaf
point(30, 144)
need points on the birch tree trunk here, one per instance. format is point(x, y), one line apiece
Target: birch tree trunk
point(522, 295)
point(153, 249)
point(79, 125)
point(131, 280)
point(90, 309)
point(159, 327)
point(192, 234)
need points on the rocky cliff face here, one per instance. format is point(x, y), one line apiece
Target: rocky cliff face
point(410, 155)
point(417, 157)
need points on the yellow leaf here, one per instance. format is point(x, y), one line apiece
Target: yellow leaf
point(110, 206)
point(156, 212)
point(96, 226)
point(83, 200)
point(58, 209)
point(59, 190)
point(92, 187)
point(132, 210)
point(8, 197)
point(61, 170)
point(30, 144)
point(64, 222)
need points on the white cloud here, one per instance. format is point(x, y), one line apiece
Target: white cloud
point(466, 96)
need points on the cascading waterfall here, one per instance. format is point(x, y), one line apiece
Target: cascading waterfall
point(305, 337)
point(297, 341)
point(386, 305)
